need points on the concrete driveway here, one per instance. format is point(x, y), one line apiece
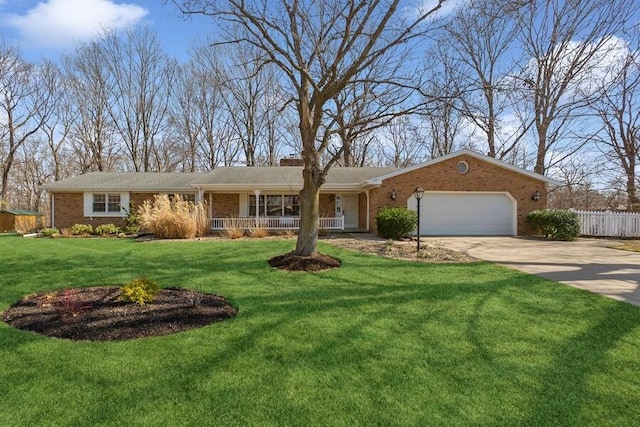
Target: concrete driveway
point(588, 264)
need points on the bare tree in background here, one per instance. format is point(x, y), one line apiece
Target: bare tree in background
point(140, 74)
point(321, 47)
point(246, 85)
point(25, 103)
point(565, 40)
point(618, 108)
point(86, 105)
point(402, 142)
point(477, 46)
point(444, 111)
point(216, 143)
point(56, 126)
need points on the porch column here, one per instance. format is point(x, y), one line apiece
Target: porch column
point(210, 207)
point(257, 193)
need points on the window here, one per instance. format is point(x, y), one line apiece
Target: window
point(99, 203)
point(106, 203)
point(292, 205)
point(462, 167)
point(275, 205)
point(114, 203)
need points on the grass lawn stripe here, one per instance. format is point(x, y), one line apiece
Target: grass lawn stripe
point(375, 342)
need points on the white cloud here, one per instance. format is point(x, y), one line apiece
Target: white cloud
point(448, 7)
point(61, 23)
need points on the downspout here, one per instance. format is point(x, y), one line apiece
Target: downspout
point(53, 210)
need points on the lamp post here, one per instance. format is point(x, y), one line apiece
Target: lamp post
point(418, 193)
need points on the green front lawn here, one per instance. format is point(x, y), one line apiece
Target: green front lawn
point(375, 342)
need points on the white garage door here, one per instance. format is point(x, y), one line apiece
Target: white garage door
point(466, 214)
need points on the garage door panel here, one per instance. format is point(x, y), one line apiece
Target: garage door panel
point(466, 214)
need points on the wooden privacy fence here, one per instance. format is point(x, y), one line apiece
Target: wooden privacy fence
point(609, 224)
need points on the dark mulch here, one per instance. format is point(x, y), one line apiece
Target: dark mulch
point(96, 314)
point(292, 262)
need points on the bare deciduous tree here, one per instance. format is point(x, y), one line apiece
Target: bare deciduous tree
point(403, 142)
point(91, 132)
point(140, 74)
point(478, 51)
point(322, 47)
point(565, 40)
point(618, 107)
point(25, 103)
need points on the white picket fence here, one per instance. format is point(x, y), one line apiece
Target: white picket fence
point(609, 224)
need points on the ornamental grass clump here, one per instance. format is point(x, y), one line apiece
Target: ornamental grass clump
point(139, 291)
point(232, 228)
point(174, 218)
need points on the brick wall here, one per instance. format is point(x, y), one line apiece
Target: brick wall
point(327, 206)
point(225, 205)
point(362, 210)
point(443, 176)
point(69, 210)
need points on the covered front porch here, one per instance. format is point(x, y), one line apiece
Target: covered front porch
point(274, 223)
point(280, 210)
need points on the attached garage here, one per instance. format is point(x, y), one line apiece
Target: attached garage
point(466, 214)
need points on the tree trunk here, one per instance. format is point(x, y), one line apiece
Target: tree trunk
point(632, 194)
point(307, 243)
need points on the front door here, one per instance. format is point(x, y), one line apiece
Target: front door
point(350, 211)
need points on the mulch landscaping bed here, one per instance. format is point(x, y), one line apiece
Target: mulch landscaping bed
point(97, 314)
point(292, 262)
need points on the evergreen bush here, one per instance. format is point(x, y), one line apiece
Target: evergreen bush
point(394, 223)
point(555, 224)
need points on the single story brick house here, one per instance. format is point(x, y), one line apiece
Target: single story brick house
point(465, 193)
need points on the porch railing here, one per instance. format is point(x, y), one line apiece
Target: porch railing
point(273, 223)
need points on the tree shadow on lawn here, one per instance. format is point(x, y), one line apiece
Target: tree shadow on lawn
point(396, 338)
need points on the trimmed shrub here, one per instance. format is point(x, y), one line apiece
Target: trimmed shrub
point(81, 229)
point(394, 223)
point(107, 229)
point(555, 224)
point(49, 232)
point(139, 291)
point(174, 218)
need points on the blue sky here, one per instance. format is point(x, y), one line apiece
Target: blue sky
point(49, 28)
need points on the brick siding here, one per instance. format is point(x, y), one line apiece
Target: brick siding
point(224, 205)
point(443, 176)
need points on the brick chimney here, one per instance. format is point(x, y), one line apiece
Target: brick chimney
point(291, 161)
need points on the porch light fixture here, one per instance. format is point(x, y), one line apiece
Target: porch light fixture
point(332, 197)
point(394, 195)
point(536, 196)
point(418, 193)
